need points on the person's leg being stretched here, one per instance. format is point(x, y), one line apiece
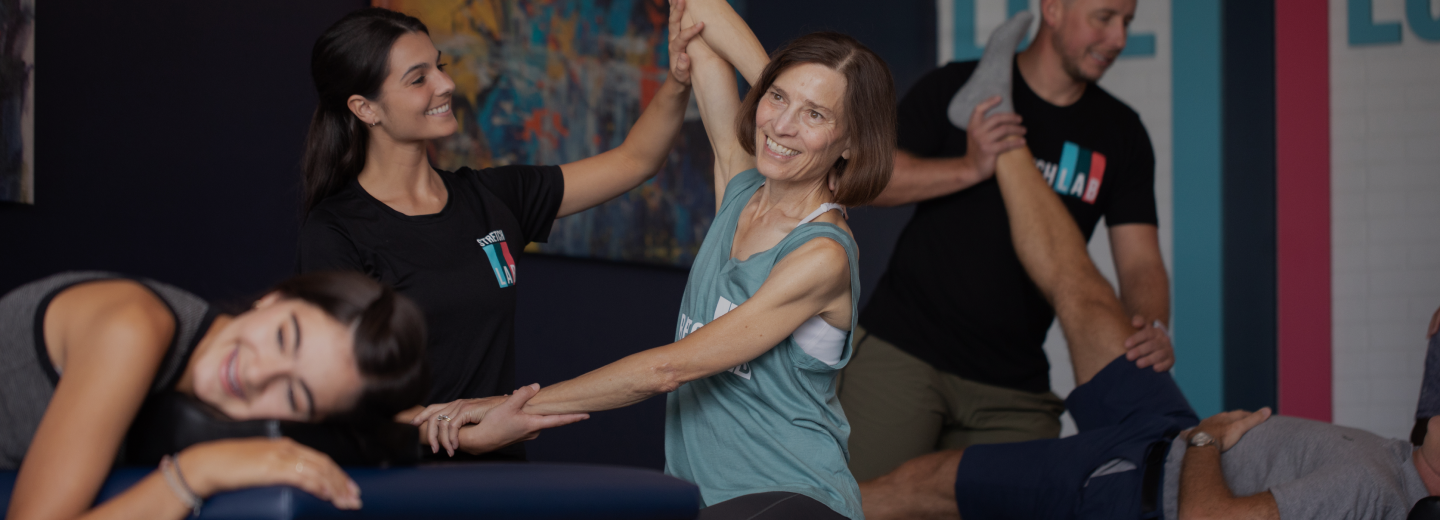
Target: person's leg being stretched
point(1053, 252)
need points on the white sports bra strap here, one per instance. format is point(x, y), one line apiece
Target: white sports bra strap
point(821, 211)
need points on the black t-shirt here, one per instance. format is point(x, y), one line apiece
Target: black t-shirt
point(458, 265)
point(955, 294)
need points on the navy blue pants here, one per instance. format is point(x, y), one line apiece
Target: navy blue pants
point(1120, 413)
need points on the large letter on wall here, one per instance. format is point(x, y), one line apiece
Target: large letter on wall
point(1364, 31)
point(1417, 12)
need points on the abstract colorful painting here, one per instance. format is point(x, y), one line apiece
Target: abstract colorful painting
point(555, 81)
point(17, 101)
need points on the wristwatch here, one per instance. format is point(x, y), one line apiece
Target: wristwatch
point(1202, 439)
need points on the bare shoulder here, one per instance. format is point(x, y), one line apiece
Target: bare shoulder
point(108, 312)
point(821, 260)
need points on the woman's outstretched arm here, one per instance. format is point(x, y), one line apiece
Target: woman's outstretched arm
point(593, 180)
point(813, 280)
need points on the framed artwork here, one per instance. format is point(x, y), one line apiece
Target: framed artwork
point(17, 101)
point(550, 82)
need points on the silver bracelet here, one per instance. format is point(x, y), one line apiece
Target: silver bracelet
point(171, 471)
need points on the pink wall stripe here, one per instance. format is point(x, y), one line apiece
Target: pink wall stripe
point(1302, 89)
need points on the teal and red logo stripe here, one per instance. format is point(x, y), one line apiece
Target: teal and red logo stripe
point(1079, 173)
point(500, 260)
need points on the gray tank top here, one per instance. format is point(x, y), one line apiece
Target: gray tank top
point(27, 375)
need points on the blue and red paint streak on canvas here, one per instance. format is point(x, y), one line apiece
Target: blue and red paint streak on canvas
point(550, 82)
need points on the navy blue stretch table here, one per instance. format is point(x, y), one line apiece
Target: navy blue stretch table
point(491, 491)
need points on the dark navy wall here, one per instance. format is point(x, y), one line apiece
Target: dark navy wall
point(1248, 195)
point(167, 141)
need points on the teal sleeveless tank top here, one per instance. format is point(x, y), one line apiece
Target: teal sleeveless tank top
point(774, 423)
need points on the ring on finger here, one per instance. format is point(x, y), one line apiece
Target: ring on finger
point(300, 467)
point(445, 418)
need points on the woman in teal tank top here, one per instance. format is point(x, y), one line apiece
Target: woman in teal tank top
point(752, 416)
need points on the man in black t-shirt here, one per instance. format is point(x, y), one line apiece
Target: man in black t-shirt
point(949, 351)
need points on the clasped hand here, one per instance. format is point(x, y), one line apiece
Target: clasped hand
point(498, 422)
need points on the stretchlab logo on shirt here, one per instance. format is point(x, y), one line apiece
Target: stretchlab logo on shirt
point(1079, 173)
point(500, 260)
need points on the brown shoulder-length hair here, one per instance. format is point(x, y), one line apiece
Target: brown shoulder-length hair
point(868, 113)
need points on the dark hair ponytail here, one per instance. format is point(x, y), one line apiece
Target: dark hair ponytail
point(352, 57)
point(389, 337)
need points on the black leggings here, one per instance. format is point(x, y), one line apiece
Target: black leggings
point(775, 505)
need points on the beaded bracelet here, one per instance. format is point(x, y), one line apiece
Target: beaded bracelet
point(176, 480)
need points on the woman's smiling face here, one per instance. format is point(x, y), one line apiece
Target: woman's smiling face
point(799, 124)
point(414, 101)
point(285, 359)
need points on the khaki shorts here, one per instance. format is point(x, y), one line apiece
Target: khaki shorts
point(900, 408)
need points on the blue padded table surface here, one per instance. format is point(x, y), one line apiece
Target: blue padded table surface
point(489, 490)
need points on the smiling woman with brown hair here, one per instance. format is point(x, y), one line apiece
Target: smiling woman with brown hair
point(764, 326)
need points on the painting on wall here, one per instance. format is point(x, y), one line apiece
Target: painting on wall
point(545, 82)
point(17, 101)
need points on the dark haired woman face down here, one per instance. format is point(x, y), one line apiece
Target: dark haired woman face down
point(449, 240)
point(83, 351)
point(752, 416)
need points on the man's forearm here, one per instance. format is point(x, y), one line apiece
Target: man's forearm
point(1146, 292)
point(1144, 285)
point(920, 178)
point(1204, 494)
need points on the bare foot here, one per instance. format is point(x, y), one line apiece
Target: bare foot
point(921, 488)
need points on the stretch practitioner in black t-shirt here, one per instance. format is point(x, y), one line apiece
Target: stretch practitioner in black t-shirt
point(1141, 451)
point(450, 241)
point(951, 351)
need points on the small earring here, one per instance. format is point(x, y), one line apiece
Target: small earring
point(373, 125)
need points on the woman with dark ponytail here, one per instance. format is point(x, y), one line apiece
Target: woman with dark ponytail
point(448, 240)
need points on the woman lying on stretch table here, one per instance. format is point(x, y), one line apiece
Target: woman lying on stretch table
point(752, 416)
point(81, 352)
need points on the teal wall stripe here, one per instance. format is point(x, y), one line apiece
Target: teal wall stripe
point(1198, 326)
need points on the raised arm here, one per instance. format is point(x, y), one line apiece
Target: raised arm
point(719, 101)
point(729, 36)
point(593, 180)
